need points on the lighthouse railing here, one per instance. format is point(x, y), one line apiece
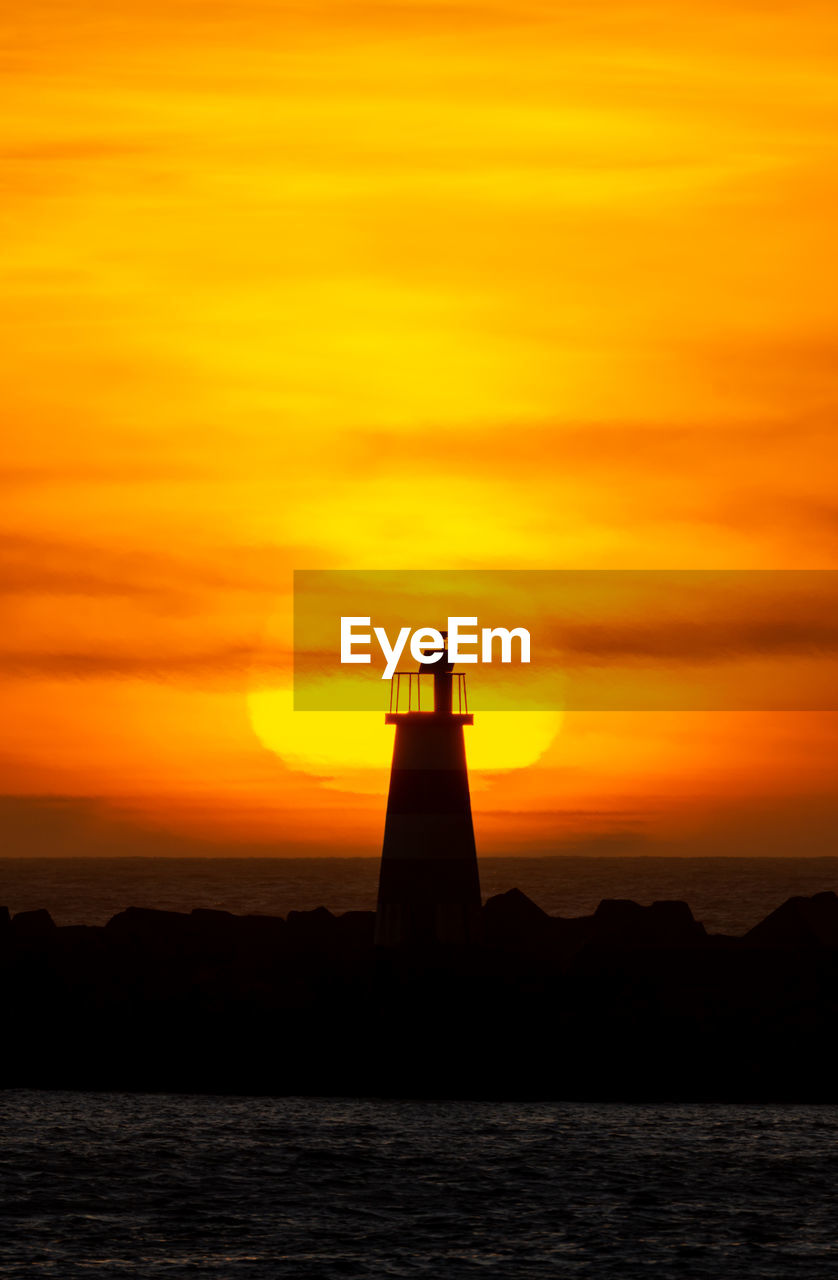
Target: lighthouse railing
point(406, 687)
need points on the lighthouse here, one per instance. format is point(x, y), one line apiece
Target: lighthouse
point(429, 888)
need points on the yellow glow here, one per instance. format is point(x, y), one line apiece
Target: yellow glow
point(339, 743)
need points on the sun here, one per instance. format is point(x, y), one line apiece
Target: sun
point(335, 745)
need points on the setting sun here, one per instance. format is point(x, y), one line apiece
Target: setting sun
point(334, 746)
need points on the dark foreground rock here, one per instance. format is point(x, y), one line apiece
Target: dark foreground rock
point(629, 1003)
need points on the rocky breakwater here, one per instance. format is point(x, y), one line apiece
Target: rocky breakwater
point(631, 1002)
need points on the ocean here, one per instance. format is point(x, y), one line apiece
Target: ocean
point(184, 1186)
point(729, 895)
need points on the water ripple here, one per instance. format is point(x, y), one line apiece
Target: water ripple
point(159, 1185)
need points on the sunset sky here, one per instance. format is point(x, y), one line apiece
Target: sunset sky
point(410, 286)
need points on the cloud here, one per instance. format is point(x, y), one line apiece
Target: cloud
point(720, 639)
point(78, 826)
point(33, 476)
point(33, 565)
point(225, 663)
point(522, 449)
point(74, 149)
point(82, 611)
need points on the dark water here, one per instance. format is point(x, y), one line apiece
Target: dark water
point(150, 1186)
point(728, 894)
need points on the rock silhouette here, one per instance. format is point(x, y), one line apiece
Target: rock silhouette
point(618, 922)
point(32, 925)
point(630, 1002)
point(799, 922)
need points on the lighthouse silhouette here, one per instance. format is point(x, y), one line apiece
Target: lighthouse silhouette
point(429, 887)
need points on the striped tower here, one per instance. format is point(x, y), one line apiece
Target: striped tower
point(429, 889)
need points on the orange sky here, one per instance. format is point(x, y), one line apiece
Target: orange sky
point(400, 285)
